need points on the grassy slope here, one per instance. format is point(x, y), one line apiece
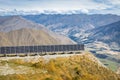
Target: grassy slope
point(82, 67)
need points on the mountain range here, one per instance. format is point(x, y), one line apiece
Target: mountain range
point(72, 20)
point(109, 34)
point(17, 31)
point(100, 33)
point(84, 28)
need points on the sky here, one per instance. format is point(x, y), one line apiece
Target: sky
point(85, 6)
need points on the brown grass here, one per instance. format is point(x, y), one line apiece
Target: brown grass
point(80, 67)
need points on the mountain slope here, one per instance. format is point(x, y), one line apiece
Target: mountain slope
point(73, 19)
point(30, 37)
point(80, 27)
point(109, 34)
point(75, 26)
point(105, 40)
point(15, 30)
point(77, 67)
point(9, 23)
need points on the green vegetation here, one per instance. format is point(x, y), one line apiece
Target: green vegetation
point(110, 64)
point(79, 67)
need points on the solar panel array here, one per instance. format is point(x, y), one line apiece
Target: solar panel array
point(44, 48)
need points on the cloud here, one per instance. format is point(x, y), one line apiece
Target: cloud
point(114, 2)
point(62, 5)
point(85, 11)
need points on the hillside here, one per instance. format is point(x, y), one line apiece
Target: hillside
point(31, 37)
point(73, 19)
point(108, 34)
point(17, 31)
point(10, 23)
point(75, 26)
point(100, 33)
point(79, 27)
point(77, 67)
point(105, 38)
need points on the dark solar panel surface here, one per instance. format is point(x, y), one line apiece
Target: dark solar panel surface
point(44, 48)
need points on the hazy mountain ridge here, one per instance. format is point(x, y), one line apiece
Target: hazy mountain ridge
point(74, 26)
point(9, 23)
point(78, 27)
point(107, 34)
point(74, 19)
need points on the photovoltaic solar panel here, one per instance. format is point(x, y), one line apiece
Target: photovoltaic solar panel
point(17, 49)
point(55, 48)
point(39, 48)
point(31, 49)
point(2, 50)
point(42, 48)
point(35, 48)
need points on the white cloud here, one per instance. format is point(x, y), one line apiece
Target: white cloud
point(114, 2)
point(85, 11)
point(61, 5)
point(53, 4)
